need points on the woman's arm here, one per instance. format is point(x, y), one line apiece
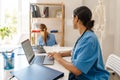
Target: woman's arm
point(68, 65)
point(65, 53)
point(62, 53)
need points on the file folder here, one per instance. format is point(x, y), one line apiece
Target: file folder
point(37, 72)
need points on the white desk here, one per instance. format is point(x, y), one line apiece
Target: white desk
point(21, 62)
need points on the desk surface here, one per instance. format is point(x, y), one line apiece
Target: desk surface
point(21, 62)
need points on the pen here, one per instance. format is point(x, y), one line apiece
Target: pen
point(4, 55)
point(12, 55)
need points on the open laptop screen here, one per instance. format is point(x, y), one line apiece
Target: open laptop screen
point(28, 49)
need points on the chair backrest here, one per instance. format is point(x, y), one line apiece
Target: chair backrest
point(113, 62)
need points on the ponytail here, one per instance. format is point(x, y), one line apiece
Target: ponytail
point(90, 24)
point(45, 36)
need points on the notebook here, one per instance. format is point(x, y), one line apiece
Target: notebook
point(37, 72)
point(39, 59)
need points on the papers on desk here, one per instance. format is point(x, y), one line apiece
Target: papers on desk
point(8, 48)
point(56, 48)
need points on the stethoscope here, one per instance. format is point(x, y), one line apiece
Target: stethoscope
point(77, 41)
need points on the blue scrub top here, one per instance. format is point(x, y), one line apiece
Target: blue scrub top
point(50, 40)
point(87, 57)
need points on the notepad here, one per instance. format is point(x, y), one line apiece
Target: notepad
point(37, 72)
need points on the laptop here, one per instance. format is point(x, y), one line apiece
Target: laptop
point(32, 58)
point(39, 49)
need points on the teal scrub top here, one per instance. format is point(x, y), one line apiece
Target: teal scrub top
point(50, 40)
point(87, 57)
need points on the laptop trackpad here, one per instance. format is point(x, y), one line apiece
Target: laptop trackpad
point(48, 60)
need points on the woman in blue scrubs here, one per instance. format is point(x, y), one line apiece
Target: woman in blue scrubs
point(86, 62)
point(45, 38)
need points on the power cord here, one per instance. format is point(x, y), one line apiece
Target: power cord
point(11, 77)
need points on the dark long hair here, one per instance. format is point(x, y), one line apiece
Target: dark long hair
point(85, 15)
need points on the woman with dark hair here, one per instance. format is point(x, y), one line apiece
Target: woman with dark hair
point(87, 62)
point(45, 38)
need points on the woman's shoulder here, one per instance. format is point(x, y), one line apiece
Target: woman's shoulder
point(90, 34)
point(51, 35)
point(90, 37)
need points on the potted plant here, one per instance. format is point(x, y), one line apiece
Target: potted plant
point(6, 32)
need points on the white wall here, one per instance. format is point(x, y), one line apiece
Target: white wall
point(70, 34)
point(108, 42)
point(117, 31)
point(113, 26)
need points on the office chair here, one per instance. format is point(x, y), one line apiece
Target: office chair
point(113, 66)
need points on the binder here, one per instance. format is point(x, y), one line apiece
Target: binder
point(35, 11)
point(37, 72)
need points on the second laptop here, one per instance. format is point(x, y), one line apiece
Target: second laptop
point(39, 59)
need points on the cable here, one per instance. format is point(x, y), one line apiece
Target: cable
point(11, 77)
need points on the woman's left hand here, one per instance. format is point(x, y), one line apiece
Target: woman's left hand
point(57, 56)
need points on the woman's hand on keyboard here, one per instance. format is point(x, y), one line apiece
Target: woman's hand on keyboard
point(51, 54)
point(55, 55)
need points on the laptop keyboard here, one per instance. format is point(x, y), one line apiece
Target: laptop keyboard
point(48, 60)
point(41, 49)
point(43, 60)
point(39, 59)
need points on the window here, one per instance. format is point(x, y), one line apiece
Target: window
point(14, 20)
point(8, 20)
